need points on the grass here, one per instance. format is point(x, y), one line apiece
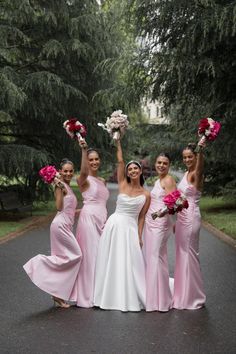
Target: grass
point(9, 224)
point(220, 213)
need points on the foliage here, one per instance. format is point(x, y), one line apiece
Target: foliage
point(52, 66)
point(187, 59)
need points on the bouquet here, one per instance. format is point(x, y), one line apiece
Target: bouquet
point(174, 203)
point(208, 130)
point(116, 125)
point(50, 175)
point(75, 129)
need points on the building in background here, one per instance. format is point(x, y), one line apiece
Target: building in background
point(154, 112)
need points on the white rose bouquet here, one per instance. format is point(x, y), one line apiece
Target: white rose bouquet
point(116, 125)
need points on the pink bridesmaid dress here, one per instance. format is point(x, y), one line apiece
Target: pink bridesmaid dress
point(188, 285)
point(156, 233)
point(57, 274)
point(90, 225)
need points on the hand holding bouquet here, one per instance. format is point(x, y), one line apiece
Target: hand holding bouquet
point(50, 175)
point(116, 125)
point(75, 129)
point(174, 203)
point(208, 130)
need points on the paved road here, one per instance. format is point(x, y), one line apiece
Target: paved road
point(30, 324)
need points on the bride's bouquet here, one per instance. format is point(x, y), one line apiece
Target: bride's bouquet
point(75, 129)
point(174, 203)
point(208, 130)
point(116, 124)
point(50, 175)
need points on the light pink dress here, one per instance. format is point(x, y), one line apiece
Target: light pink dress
point(188, 284)
point(57, 274)
point(156, 233)
point(90, 225)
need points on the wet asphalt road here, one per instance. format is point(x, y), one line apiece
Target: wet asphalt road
point(30, 324)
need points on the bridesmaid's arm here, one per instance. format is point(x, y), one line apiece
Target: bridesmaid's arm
point(169, 184)
point(198, 173)
point(59, 195)
point(84, 170)
point(141, 218)
point(121, 164)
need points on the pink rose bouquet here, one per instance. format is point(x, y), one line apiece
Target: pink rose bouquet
point(174, 203)
point(75, 129)
point(50, 175)
point(208, 130)
point(116, 125)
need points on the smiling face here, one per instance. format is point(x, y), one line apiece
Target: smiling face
point(93, 161)
point(133, 171)
point(67, 172)
point(189, 159)
point(162, 165)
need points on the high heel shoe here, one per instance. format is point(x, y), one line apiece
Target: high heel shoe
point(60, 303)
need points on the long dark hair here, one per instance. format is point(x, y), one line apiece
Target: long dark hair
point(65, 161)
point(90, 150)
point(191, 147)
point(141, 179)
point(164, 154)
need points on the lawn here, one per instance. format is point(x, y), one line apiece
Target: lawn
point(221, 213)
point(8, 224)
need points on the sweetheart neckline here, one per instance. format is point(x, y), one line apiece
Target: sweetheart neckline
point(140, 195)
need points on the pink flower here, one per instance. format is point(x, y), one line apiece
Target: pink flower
point(214, 131)
point(48, 173)
point(171, 198)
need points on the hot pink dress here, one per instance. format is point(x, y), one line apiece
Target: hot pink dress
point(156, 233)
point(57, 274)
point(90, 225)
point(188, 284)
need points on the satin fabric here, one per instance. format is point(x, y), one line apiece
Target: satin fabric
point(90, 225)
point(57, 274)
point(188, 284)
point(120, 268)
point(156, 233)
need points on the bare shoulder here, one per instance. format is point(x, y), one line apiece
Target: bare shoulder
point(147, 193)
point(169, 181)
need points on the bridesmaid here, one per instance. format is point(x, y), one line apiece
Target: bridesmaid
point(57, 274)
point(156, 234)
point(91, 221)
point(188, 285)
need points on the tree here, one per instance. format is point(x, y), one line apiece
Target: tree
point(188, 56)
point(51, 67)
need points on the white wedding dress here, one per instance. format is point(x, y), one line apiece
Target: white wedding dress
point(120, 268)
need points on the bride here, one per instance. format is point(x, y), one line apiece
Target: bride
point(120, 269)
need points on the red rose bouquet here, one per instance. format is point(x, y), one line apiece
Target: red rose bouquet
point(208, 130)
point(50, 175)
point(75, 129)
point(174, 203)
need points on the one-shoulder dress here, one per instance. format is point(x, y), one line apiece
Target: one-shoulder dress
point(57, 274)
point(155, 234)
point(120, 267)
point(90, 225)
point(188, 284)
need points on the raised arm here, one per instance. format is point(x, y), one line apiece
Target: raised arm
point(120, 161)
point(84, 170)
point(198, 172)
